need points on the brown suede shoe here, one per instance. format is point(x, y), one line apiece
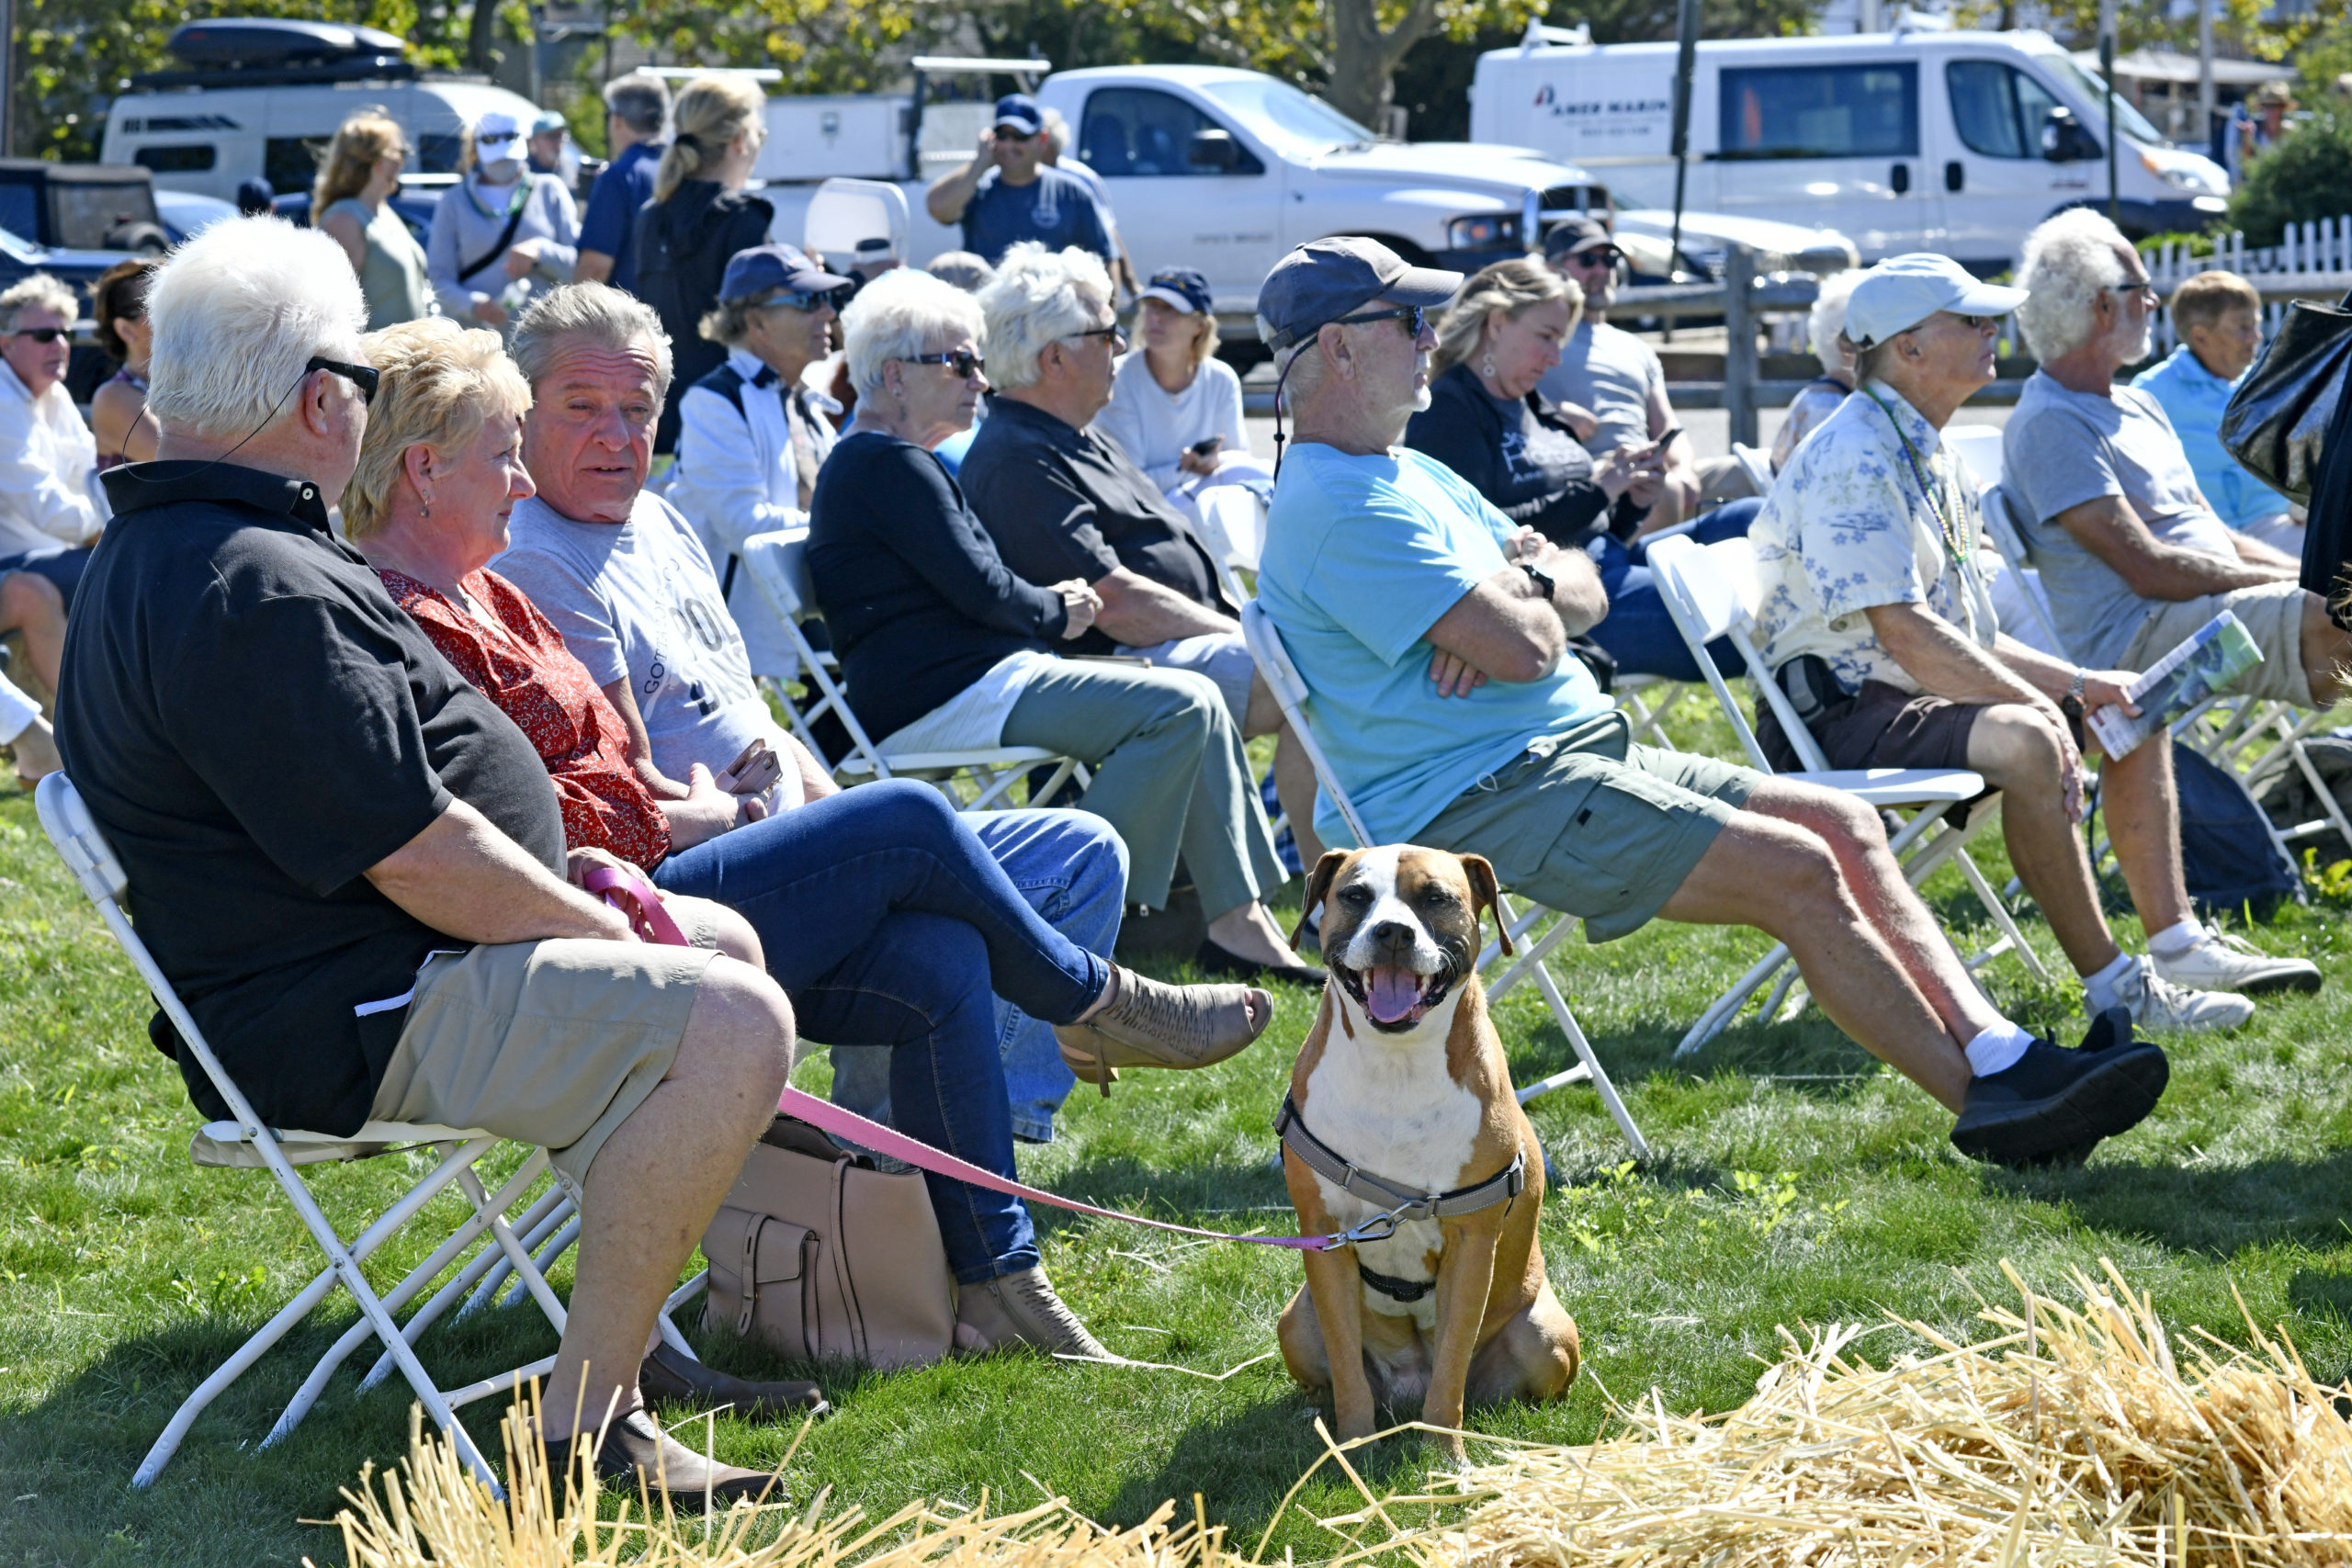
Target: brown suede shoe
point(1148, 1023)
point(667, 1378)
point(1014, 1310)
point(635, 1453)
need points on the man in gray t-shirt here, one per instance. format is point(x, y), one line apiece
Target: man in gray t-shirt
point(2132, 558)
point(1613, 388)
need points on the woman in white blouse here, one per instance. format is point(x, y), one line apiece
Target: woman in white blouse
point(1175, 408)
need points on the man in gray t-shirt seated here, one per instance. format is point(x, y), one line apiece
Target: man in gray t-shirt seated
point(1611, 389)
point(2131, 557)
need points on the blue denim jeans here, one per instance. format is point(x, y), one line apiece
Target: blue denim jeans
point(1072, 868)
point(1638, 633)
point(887, 923)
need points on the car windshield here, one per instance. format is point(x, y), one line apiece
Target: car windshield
point(1286, 116)
point(2093, 91)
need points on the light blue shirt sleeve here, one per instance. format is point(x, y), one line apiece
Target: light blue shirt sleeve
point(1387, 577)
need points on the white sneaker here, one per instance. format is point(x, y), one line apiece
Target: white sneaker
point(2225, 963)
point(2159, 1007)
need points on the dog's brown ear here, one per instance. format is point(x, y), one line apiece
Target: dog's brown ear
point(1484, 892)
point(1319, 884)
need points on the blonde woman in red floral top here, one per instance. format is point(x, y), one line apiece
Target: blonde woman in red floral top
point(877, 910)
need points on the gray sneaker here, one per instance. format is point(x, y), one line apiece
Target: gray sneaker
point(2226, 962)
point(2159, 1007)
point(1014, 1310)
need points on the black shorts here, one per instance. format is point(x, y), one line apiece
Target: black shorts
point(62, 565)
point(1879, 726)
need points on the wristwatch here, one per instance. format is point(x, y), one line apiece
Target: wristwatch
point(1538, 576)
point(2071, 705)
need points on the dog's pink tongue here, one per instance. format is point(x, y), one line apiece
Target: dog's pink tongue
point(1390, 992)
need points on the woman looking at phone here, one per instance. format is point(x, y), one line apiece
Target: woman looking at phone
point(1175, 408)
point(1487, 422)
point(878, 910)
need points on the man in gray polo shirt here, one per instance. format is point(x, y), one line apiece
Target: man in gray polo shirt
point(2132, 556)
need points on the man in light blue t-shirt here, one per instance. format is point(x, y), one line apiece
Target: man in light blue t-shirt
point(1432, 637)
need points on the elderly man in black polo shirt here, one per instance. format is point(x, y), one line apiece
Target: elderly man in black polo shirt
point(1062, 500)
point(350, 862)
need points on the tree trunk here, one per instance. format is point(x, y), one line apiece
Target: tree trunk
point(481, 37)
point(1363, 58)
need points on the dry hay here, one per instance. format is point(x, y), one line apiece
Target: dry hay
point(443, 1517)
point(2067, 1436)
point(2064, 1438)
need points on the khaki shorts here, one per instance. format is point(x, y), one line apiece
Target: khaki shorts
point(547, 1042)
point(2273, 614)
point(1592, 827)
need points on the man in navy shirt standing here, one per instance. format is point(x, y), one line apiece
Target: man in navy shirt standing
point(1008, 193)
point(635, 108)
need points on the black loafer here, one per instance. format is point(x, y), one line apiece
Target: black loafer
point(1213, 960)
point(667, 1378)
point(2051, 1105)
point(636, 1454)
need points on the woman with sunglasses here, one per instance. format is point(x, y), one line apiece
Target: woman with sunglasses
point(752, 434)
point(944, 647)
point(126, 432)
point(351, 204)
point(51, 506)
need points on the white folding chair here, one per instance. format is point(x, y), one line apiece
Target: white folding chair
point(1284, 679)
point(1756, 463)
point(243, 1140)
point(778, 564)
point(1711, 590)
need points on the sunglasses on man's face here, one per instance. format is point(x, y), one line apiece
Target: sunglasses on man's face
point(364, 377)
point(962, 361)
point(41, 334)
point(1413, 316)
point(1114, 332)
point(1605, 255)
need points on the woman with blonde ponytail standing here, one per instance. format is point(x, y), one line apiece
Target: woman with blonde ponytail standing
point(700, 216)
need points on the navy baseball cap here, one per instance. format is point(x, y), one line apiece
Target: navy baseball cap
point(1182, 288)
point(1575, 237)
point(1325, 279)
point(1020, 111)
point(764, 269)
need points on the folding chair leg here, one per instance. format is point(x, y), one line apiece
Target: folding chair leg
point(1599, 1077)
point(504, 1383)
point(678, 1298)
point(1727, 1007)
point(398, 1296)
point(227, 1373)
point(1530, 957)
point(1999, 910)
point(544, 1250)
point(546, 1218)
point(491, 1261)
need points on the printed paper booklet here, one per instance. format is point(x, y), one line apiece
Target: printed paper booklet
point(2215, 654)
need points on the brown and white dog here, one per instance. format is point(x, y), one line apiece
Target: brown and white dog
point(1403, 1076)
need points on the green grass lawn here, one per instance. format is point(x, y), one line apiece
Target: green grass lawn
point(1794, 1182)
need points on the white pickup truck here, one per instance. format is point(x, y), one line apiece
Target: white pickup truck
point(1210, 167)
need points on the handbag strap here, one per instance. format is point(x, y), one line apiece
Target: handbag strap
point(844, 1277)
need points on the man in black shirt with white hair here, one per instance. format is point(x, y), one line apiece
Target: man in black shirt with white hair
point(350, 864)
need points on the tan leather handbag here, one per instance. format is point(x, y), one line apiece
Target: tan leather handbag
point(826, 1257)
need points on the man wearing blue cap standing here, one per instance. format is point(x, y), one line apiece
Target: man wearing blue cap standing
point(1433, 635)
point(1008, 193)
point(1880, 627)
point(752, 434)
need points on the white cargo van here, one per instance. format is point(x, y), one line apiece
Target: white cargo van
point(257, 99)
point(1954, 141)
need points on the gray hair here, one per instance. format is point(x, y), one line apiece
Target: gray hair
point(2068, 262)
point(599, 312)
point(898, 315)
point(966, 271)
point(641, 102)
point(1825, 325)
point(38, 291)
point(238, 310)
point(1038, 296)
point(1299, 370)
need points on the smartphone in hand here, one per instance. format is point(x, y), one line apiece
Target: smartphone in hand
point(1207, 446)
point(753, 772)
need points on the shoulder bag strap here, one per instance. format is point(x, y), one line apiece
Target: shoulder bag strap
point(505, 237)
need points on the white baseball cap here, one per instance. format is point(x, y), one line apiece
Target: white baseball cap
point(1902, 291)
point(496, 125)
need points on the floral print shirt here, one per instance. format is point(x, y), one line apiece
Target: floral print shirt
point(522, 665)
point(1848, 527)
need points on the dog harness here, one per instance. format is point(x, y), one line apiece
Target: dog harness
point(1327, 1162)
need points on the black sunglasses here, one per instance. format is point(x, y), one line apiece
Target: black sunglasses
point(364, 377)
point(1601, 255)
point(816, 301)
point(1413, 316)
point(2145, 286)
point(963, 361)
point(1004, 135)
point(1113, 331)
point(41, 334)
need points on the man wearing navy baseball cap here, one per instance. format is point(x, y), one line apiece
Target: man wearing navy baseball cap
point(750, 434)
point(1879, 625)
point(1008, 193)
point(1432, 633)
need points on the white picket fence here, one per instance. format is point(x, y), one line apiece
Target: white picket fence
point(2314, 263)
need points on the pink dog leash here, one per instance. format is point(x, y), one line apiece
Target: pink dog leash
point(635, 898)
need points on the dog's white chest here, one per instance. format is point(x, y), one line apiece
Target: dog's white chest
point(1391, 1108)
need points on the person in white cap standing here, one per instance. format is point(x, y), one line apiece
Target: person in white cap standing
point(1878, 624)
point(502, 231)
